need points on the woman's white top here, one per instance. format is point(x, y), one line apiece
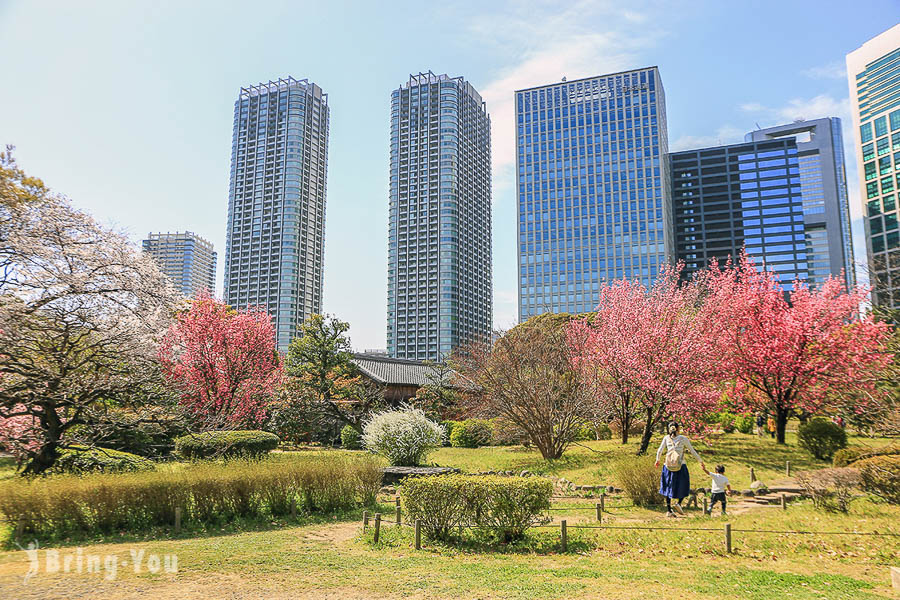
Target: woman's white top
point(679, 443)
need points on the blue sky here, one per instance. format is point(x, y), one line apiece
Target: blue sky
point(126, 107)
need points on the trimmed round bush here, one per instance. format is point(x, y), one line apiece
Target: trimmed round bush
point(226, 444)
point(80, 459)
point(351, 439)
point(472, 433)
point(403, 436)
point(508, 505)
point(726, 421)
point(821, 438)
point(881, 476)
point(744, 423)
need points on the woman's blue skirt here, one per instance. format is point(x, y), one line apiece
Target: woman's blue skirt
point(675, 484)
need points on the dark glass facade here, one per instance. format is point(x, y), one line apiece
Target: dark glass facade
point(743, 195)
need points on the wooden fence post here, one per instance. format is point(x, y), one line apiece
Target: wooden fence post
point(177, 519)
point(418, 534)
point(787, 468)
point(294, 508)
point(603, 502)
point(705, 505)
point(783, 501)
point(752, 475)
point(365, 520)
point(563, 536)
point(377, 526)
point(599, 512)
point(398, 512)
point(728, 538)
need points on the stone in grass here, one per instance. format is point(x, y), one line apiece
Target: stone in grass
point(759, 486)
point(748, 493)
point(394, 475)
point(525, 474)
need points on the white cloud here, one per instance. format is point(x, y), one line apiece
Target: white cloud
point(506, 309)
point(817, 107)
point(726, 134)
point(833, 70)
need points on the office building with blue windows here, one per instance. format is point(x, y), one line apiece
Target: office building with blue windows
point(276, 202)
point(592, 199)
point(439, 232)
point(748, 195)
point(826, 204)
point(187, 259)
point(873, 71)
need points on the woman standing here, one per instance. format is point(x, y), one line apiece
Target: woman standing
point(675, 481)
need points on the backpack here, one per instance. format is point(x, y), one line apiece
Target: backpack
point(673, 461)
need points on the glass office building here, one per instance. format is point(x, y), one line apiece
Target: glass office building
point(593, 205)
point(276, 202)
point(826, 205)
point(748, 195)
point(873, 71)
point(188, 260)
point(439, 236)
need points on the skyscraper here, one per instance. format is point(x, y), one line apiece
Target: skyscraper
point(593, 204)
point(276, 202)
point(439, 235)
point(727, 197)
point(186, 258)
point(826, 205)
point(873, 71)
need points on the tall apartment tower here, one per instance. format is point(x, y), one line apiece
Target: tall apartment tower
point(749, 195)
point(276, 202)
point(593, 204)
point(188, 260)
point(873, 71)
point(439, 236)
point(826, 204)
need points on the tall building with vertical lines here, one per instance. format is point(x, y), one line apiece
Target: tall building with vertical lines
point(873, 71)
point(187, 259)
point(439, 235)
point(592, 199)
point(276, 202)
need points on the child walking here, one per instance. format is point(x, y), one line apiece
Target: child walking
point(719, 485)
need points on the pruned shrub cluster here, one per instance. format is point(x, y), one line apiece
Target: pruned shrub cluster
point(208, 493)
point(847, 456)
point(745, 422)
point(726, 420)
point(472, 433)
point(881, 476)
point(639, 479)
point(404, 436)
point(821, 438)
point(506, 505)
point(351, 439)
point(226, 444)
point(830, 489)
point(79, 460)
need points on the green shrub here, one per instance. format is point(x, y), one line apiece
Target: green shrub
point(726, 421)
point(821, 438)
point(404, 436)
point(351, 439)
point(447, 427)
point(744, 423)
point(80, 459)
point(472, 433)
point(507, 505)
point(851, 454)
point(208, 493)
point(602, 431)
point(881, 476)
point(639, 479)
point(226, 444)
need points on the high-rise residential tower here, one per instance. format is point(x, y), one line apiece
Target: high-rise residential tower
point(749, 195)
point(593, 204)
point(873, 71)
point(276, 202)
point(186, 258)
point(826, 205)
point(439, 236)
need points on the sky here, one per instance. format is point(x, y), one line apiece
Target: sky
point(126, 107)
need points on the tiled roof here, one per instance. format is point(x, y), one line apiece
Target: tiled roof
point(394, 371)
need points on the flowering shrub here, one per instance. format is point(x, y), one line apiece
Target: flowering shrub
point(402, 436)
point(20, 435)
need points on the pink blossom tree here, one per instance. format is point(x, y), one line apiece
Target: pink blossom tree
point(653, 351)
point(793, 350)
point(224, 363)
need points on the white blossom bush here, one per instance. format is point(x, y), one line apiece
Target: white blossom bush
point(403, 436)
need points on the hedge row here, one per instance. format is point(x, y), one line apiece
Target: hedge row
point(208, 493)
point(881, 476)
point(226, 444)
point(81, 460)
point(508, 505)
point(848, 456)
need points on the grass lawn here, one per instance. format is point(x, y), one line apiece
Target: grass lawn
point(331, 557)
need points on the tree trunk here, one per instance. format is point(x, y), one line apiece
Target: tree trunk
point(648, 433)
point(624, 434)
point(43, 460)
point(781, 419)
